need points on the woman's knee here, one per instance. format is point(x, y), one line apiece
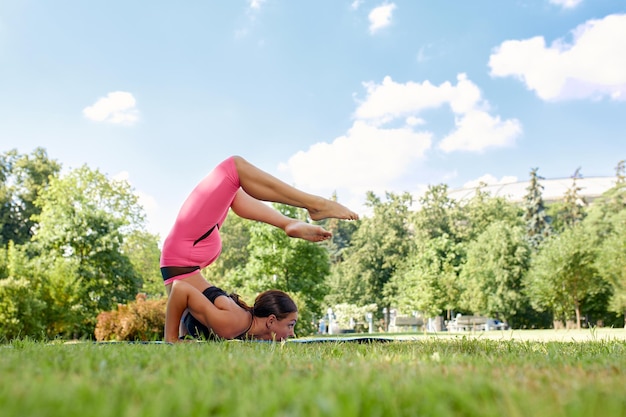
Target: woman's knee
point(239, 161)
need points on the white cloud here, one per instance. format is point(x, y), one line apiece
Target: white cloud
point(121, 176)
point(256, 4)
point(366, 158)
point(414, 121)
point(252, 12)
point(593, 65)
point(117, 107)
point(356, 4)
point(566, 4)
point(380, 17)
point(387, 140)
point(477, 131)
point(390, 100)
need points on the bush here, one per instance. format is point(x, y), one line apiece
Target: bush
point(21, 310)
point(141, 320)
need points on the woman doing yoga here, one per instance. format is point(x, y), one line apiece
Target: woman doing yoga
point(198, 308)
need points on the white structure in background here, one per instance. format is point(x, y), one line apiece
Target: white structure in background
point(553, 189)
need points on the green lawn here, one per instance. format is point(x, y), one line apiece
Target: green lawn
point(434, 376)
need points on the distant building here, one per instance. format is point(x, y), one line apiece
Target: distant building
point(553, 189)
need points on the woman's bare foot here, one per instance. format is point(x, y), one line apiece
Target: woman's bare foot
point(307, 231)
point(328, 208)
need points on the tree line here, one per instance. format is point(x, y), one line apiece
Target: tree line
point(74, 244)
point(530, 265)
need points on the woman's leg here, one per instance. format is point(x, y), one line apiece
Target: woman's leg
point(250, 208)
point(263, 186)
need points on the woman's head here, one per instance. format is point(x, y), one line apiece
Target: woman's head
point(280, 311)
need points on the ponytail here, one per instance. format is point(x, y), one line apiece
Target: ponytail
point(275, 302)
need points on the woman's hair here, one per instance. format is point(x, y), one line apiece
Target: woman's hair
point(270, 302)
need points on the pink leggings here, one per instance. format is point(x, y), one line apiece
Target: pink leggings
point(195, 241)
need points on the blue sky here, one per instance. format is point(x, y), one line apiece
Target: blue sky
point(328, 95)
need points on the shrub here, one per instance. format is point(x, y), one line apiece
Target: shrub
point(21, 310)
point(140, 320)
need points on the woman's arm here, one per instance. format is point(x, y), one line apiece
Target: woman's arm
point(226, 323)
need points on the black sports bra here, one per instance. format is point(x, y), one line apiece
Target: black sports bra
point(197, 329)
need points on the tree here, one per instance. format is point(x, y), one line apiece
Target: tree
point(440, 215)
point(22, 310)
point(483, 210)
point(535, 216)
point(428, 281)
point(84, 220)
point(563, 274)
point(611, 262)
point(493, 272)
point(610, 203)
point(620, 172)
point(22, 179)
point(573, 208)
point(378, 247)
point(143, 252)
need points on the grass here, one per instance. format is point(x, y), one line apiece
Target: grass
point(461, 376)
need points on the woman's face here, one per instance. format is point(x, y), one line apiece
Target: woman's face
point(284, 329)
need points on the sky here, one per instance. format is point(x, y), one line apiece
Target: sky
point(330, 96)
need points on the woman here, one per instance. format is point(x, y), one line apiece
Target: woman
point(194, 243)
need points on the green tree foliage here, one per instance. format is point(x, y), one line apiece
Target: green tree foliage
point(21, 304)
point(142, 250)
point(535, 214)
point(605, 207)
point(351, 316)
point(483, 210)
point(20, 310)
point(620, 172)
point(428, 281)
point(492, 275)
point(42, 311)
point(563, 274)
point(4, 267)
point(572, 209)
point(342, 235)
point(292, 265)
point(66, 313)
point(378, 247)
point(604, 221)
point(611, 262)
point(227, 270)
point(84, 219)
point(346, 285)
point(440, 215)
point(22, 179)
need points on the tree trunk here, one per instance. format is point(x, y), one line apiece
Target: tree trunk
point(577, 316)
